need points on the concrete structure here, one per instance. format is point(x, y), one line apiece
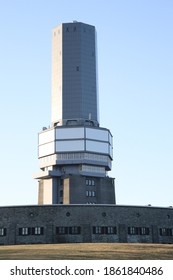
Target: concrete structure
point(75, 153)
point(85, 223)
point(74, 74)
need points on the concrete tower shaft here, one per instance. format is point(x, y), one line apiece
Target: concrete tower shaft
point(74, 74)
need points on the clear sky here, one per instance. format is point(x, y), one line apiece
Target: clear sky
point(135, 74)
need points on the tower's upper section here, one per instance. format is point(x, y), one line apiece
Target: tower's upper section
point(74, 75)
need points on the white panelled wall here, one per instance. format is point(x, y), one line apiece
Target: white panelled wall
point(75, 139)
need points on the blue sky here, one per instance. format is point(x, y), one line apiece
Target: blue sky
point(135, 74)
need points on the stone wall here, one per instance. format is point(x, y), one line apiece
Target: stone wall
point(85, 223)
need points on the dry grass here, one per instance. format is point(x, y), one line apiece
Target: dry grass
point(88, 251)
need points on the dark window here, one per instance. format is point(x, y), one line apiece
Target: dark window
point(77, 68)
point(166, 231)
point(90, 182)
point(110, 230)
point(104, 230)
point(93, 193)
point(61, 230)
point(97, 230)
point(138, 231)
point(31, 231)
point(74, 230)
point(37, 231)
point(90, 193)
point(68, 230)
point(3, 231)
point(144, 231)
point(24, 231)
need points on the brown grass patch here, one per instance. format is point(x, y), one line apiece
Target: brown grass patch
point(87, 251)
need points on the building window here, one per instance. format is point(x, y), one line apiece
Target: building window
point(90, 193)
point(31, 231)
point(93, 193)
point(3, 231)
point(104, 230)
point(138, 231)
point(97, 230)
point(144, 231)
point(24, 231)
point(74, 230)
point(61, 230)
point(166, 231)
point(90, 182)
point(77, 68)
point(68, 230)
point(37, 231)
point(110, 230)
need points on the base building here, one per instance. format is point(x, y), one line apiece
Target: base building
point(85, 224)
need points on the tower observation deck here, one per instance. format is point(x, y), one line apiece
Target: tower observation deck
point(75, 153)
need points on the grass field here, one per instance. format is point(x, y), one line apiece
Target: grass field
point(88, 251)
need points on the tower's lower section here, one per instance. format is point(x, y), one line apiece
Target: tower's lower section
point(76, 189)
point(74, 161)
